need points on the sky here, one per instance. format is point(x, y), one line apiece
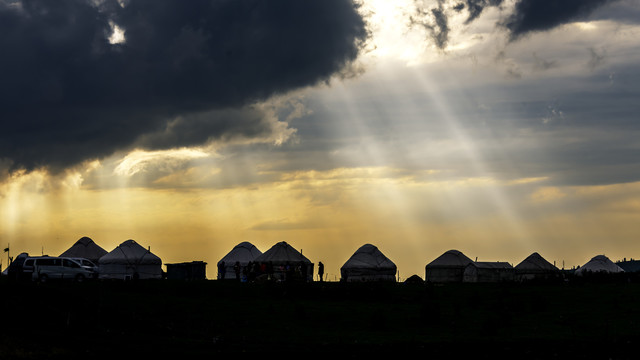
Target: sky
point(495, 127)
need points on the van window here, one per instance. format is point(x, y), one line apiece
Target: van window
point(28, 262)
point(69, 263)
point(48, 262)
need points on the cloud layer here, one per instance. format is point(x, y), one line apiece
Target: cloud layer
point(69, 94)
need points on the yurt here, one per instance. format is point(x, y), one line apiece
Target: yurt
point(536, 267)
point(242, 254)
point(447, 267)
point(129, 260)
point(599, 264)
point(488, 271)
point(368, 263)
point(284, 263)
point(85, 248)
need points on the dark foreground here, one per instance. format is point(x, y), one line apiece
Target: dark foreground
point(186, 319)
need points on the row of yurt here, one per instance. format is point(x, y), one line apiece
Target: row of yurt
point(282, 262)
point(128, 260)
point(454, 266)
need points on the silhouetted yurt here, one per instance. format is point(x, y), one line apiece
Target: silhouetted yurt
point(599, 264)
point(129, 260)
point(448, 267)
point(536, 267)
point(368, 263)
point(481, 271)
point(85, 248)
point(286, 263)
point(242, 253)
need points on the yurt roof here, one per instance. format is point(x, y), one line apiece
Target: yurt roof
point(370, 257)
point(243, 252)
point(450, 258)
point(600, 263)
point(85, 248)
point(130, 252)
point(282, 252)
point(536, 262)
point(491, 265)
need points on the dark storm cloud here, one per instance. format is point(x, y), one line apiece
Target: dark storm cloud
point(542, 15)
point(67, 94)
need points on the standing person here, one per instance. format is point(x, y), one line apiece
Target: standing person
point(222, 270)
point(237, 269)
point(321, 271)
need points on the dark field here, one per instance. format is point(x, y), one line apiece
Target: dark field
point(184, 319)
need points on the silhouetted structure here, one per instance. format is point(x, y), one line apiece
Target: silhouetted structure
point(448, 267)
point(484, 271)
point(287, 263)
point(243, 253)
point(85, 248)
point(129, 260)
point(535, 267)
point(630, 266)
point(599, 264)
point(195, 270)
point(368, 263)
point(414, 279)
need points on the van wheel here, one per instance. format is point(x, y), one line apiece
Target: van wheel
point(79, 278)
point(43, 278)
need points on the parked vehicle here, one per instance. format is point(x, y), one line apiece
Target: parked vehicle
point(88, 264)
point(48, 268)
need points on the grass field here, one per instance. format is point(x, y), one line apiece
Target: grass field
point(587, 319)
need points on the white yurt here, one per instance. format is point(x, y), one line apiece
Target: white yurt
point(599, 264)
point(368, 263)
point(287, 263)
point(448, 267)
point(535, 267)
point(85, 248)
point(129, 260)
point(242, 253)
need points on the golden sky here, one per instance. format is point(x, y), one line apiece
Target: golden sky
point(498, 148)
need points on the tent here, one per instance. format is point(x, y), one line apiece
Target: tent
point(243, 253)
point(484, 271)
point(600, 264)
point(130, 261)
point(536, 267)
point(448, 267)
point(286, 263)
point(368, 264)
point(85, 248)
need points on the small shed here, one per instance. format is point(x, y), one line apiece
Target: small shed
point(195, 270)
point(485, 271)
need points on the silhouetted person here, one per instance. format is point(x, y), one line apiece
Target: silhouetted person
point(303, 272)
point(222, 270)
point(321, 271)
point(237, 268)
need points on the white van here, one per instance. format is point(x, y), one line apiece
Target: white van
point(47, 268)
